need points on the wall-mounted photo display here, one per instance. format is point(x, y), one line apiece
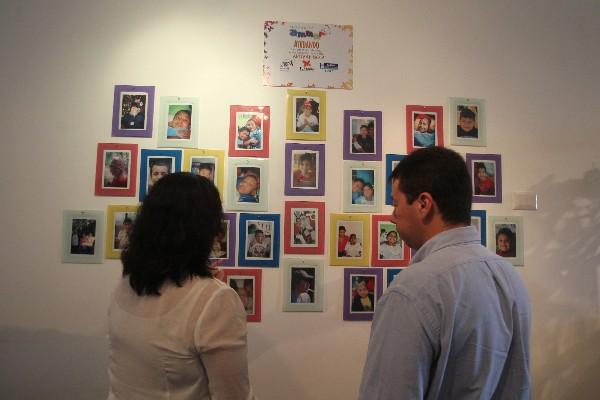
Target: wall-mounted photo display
point(391, 162)
point(83, 232)
point(362, 135)
point(478, 221)
point(362, 288)
point(349, 239)
point(304, 169)
point(223, 247)
point(258, 240)
point(388, 249)
point(302, 285)
point(424, 127)
point(248, 184)
point(249, 129)
point(178, 125)
point(206, 163)
point(506, 238)
point(361, 191)
point(306, 114)
point(119, 224)
point(467, 122)
point(154, 164)
point(247, 283)
point(133, 110)
point(486, 176)
point(116, 169)
point(304, 227)
point(391, 274)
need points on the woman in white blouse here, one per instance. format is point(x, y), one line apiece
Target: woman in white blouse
point(175, 331)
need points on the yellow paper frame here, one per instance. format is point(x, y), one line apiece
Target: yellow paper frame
point(220, 164)
point(366, 242)
point(109, 252)
point(291, 133)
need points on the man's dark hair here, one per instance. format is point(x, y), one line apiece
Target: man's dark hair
point(443, 174)
point(173, 233)
point(467, 113)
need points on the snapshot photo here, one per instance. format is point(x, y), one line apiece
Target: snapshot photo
point(122, 227)
point(306, 112)
point(362, 289)
point(304, 227)
point(116, 169)
point(220, 246)
point(424, 129)
point(259, 235)
point(305, 224)
point(133, 110)
point(179, 121)
point(467, 117)
point(132, 107)
point(305, 169)
point(204, 166)
point(248, 184)
point(302, 284)
point(467, 122)
point(350, 239)
point(363, 186)
point(506, 243)
point(306, 116)
point(390, 246)
point(249, 131)
point(117, 165)
point(505, 237)
point(362, 131)
point(83, 236)
point(245, 288)
point(249, 126)
point(486, 177)
point(362, 135)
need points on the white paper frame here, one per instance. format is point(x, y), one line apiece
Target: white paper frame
point(519, 259)
point(232, 195)
point(288, 264)
point(454, 102)
point(68, 217)
point(165, 102)
point(347, 205)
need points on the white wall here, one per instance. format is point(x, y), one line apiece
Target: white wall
point(535, 63)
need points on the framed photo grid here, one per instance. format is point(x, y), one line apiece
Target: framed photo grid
point(302, 284)
point(388, 249)
point(467, 122)
point(249, 130)
point(119, 224)
point(304, 227)
point(349, 239)
point(304, 169)
point(83, 233)
point(116, 169)
point(362, 289)
point(258, 244)
point(247, 283)
point(306, 114)
point(486, 177)
point(506, 238)
point(248, 184)
point(362, 135)
point(154, 164)
point(361, 191)
point(223, 247)
point(424, 127)
point(133, 111)
point(178, 122)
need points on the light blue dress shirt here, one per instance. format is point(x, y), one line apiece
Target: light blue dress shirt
point(454, 325)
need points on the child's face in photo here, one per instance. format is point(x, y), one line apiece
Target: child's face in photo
point(205, 172)
point(157, 172)
point(259, 237)
point(352, 239)
point(467, 124)
point(248, 185)
point(364, 131)
point(181, 120)
point(368, 192)
point(362, 290)
point(422, 125)
point(357, 186)
point(481, 173)
point(305, 168)
point(342, 233)
point(392, 238)
point(251, 125)
point(307, 109)
point(244, 135)
point(134, 110)
point(503, 243)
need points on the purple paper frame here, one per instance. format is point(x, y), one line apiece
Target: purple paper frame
point(470, 158)
point(348, 155)
point(348, 272)
point(320, 189)
point(231, 245)
point(116, 121)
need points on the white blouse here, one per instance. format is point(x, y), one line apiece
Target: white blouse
point(187, 343)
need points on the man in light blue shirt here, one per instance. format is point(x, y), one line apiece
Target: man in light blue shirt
point(455, 324)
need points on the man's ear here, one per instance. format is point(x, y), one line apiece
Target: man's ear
point(425, 204)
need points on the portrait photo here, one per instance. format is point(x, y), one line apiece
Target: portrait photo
point(302, 285)
point(133, 109)
point(83, 236)
point(361, 187)
point(304, 169)
point(389, 250)
point(156, 164)
point(247, 283)
point(391, 162)
point(485, 172)
point(349, 239)
point(207, 163)
point(424, 127)
point(220, 246)
point(119, 222)
point(259, 240)
point(304, 227)
point(204, 166)
point(306, 114)
point(249, 131)
point(506, 238)
point(362, 135)
point(467, 122)
point(362, 289)
point(248, 184)
point(178, 122)
point(116, 169)
point(304, 166)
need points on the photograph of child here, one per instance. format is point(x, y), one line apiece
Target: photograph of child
point(483, 179)
point(116, 169)
point(220, 243)
point(467, 121)
point(250, 130)
point(83, 236)
point(204, 166)
point(304, 167)
point(122, 229)
point(363, 297)
point(306, 110)
point(179, 125)
point(303, 285)
point(506, 244)
point(424, 129)
point(350, 237)
point(248, 184)
point(244, 287)
point(390, 245)
point(133, 110)
point(363, 189)
point(305, 223)
point(363, 135)
point(157, 168)
point(258, 239)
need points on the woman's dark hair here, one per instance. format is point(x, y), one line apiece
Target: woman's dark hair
point(173, 233)
point(442, 173)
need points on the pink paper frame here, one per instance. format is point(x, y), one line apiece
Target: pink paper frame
point(375, 261)
point(266, 129)
point(439, 123)
point(99, 188)
point(288, 248)
point(256, 296)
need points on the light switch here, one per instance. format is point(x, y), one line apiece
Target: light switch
point(525, 201)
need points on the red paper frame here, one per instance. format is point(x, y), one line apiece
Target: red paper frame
point(133, 170)
point(264, 152)
point(375, 262)
point(288, 226)
point(439, 110)
point(257, 274)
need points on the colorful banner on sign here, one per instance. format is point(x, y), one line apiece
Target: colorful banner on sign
point(307, 55)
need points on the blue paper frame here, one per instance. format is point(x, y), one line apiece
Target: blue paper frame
point(146, 153)
point(389, 159)
point(243, 260)
point(482, 215)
